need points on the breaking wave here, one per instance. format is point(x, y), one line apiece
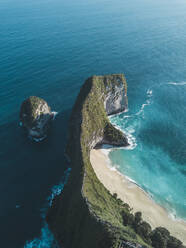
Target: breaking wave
point(46, 239)
point(147, 102)
point(54, 114)
point(128, 124)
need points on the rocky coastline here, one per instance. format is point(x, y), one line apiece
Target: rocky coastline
point(86, 214)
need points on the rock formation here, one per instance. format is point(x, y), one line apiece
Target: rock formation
point(35, 116)
point(116, 95)
point(85, 214)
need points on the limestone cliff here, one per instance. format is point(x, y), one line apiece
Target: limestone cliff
point(35, 116)
point(115, 100)
point(86, 215)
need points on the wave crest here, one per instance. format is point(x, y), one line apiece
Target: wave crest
point(179, 84)
point(147, 102)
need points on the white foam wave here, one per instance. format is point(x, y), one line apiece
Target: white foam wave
point(129, 131)
point(149, 92)
point(130, 180)
point(179, 84)
point(116, 167)
point(38, 139)
point(131, 139)
point(46, 239)
point(57, 189)
point(54, 114)
point(113, 168)
point(172, 214)
point(147, 103)
point(126, 116)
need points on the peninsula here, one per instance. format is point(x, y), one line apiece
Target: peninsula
point(87, 214)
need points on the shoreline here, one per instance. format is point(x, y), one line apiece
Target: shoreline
point(131, 193)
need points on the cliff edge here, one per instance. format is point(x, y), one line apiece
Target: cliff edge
point(86, 215)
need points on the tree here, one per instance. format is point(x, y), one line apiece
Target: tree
point(144, 230)
point(158, 241)
point(138, 218)
point(128, 218)
point(174, 243)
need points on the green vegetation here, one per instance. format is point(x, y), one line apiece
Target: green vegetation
point(86, 215)
point(161, 238)
point(28, 113)
point(158, 238)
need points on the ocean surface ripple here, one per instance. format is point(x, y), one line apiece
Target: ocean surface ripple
point(154, 159)
point(48, 49)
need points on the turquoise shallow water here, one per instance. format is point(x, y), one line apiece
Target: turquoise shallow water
point(156, 158)
point(48, 48)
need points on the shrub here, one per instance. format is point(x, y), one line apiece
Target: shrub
point(128, 218)
point(144, 230)
point(138, 218)
point(174, 243)
point(158, 241)
point(115, 195)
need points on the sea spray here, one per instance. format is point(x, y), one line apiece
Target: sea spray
point(121, 121)
point(179, 83)
point(147, 102)
point(54, 114)
point(46, 239)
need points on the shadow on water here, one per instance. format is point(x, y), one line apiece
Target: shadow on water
point(28, 170)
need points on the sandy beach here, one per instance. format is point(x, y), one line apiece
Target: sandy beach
point(130, 193)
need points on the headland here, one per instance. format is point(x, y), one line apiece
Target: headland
point(86, 213)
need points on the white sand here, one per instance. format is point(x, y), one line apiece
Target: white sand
point(130, 193)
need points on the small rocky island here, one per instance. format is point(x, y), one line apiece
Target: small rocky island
point(35, 117)
point(86, 214)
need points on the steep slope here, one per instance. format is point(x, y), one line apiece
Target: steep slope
point(86, 215)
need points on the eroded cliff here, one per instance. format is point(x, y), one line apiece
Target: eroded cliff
point(86, 215)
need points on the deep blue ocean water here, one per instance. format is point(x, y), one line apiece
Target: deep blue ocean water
point(48, 48)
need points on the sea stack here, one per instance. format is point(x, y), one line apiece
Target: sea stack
point(35, 117)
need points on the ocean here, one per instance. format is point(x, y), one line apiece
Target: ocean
point(48, 49)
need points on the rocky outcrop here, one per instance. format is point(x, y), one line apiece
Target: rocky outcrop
point(86, 214)
point(35, 116)
point(116, 95)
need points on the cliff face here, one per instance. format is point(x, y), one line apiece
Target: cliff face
point(35, 116)
point(116, 95)
point(86, 215)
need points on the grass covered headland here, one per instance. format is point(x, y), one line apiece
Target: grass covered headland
point(86, 215)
